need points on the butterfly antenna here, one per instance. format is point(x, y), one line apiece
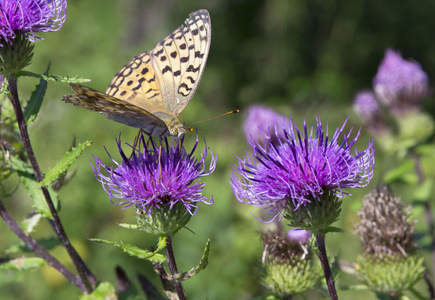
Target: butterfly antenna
point(227, 113)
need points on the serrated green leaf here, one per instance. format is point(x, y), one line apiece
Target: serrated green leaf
point(20, 166)
point(66, 79)
point(23, 264)
point(48, 244)
point(104, 291)
point(25, 172)
point(128, 226)
point(35, 101)
point(135, 251)
point(35, 192)
point(64, 164)
point(29, 223)
point(201, 265)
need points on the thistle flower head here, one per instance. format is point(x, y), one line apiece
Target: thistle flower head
point(400, 84)
point(390, 263)
point(25, 17)
point(287, 266)
point(367, 107)
point(156, 177)
point(301, 167)
point(385, 228)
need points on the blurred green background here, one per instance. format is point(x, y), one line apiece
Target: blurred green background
point(307, 58)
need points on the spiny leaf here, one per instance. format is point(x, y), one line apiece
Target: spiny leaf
point(135, 251)
point(25, 172)
point(64, 164)
point(128, 226)
point(35, 101)
point(66, 79)
point(201, 265)
point(23, 264)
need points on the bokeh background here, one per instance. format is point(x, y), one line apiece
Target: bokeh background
point(307, 58)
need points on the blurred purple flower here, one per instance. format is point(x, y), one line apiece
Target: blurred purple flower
point(368, 109)
point(262, 120)
point(25, 17)
point(400, 84)
point(300, 168)
point(156, 176)
point(299, 235)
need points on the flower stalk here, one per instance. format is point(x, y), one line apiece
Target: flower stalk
point(82, 270)
point(173, 268)
point(320, 241)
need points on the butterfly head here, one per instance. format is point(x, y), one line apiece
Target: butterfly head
point(177, 130)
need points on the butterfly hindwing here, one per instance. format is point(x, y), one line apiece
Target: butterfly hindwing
point(114, 108)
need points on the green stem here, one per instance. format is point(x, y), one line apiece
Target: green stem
point(82, 270)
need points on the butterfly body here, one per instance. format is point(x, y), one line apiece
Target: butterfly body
point(154, 88)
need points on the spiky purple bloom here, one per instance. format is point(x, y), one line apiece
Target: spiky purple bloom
point(262, 120)
point(400, 84)
point(25, 17)
point(300, 168)
point(155, 176)
point(367, 107)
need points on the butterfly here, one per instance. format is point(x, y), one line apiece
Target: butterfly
point(154, 88)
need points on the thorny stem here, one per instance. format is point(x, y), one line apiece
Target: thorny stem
point(430, 222)
point(173, 268)
point(38, 249)
point(75, 258)
point(320, 240)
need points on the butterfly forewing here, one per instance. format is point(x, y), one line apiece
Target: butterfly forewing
point(179, 60)
point(136, 83)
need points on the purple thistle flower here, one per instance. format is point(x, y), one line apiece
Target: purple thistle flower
point(25, 17)
point(368, 109)
point(400, 84)
point(300, 168)
point(156, 176)
point(262, 120)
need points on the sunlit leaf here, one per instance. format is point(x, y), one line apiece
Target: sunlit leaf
point(104, 291)
point(29, 223)
point(64, 163)
point(35, 101)
point(66, 79)
point(135, 251)
point(23, 264)
point(201, 265)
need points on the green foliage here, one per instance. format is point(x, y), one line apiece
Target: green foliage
point(33, 188)
point(104, 291)
point(135, 251)
point(35, 101)
point(65, 79)
point(62, 166)
point(201, 265)
point(23, 264)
